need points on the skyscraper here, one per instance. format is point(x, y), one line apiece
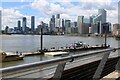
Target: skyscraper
point(53, 21)
point(0, 21)
point(32, 24)
point(63, 26)
point(100, 17)
point(58, 23)
point(103, 13)
point(52, 24)
point(67, 26)
point(80, 24)
point(58, 16)
point(24, 25)
point(99, 20)
point(119, 12)
point(19, 26)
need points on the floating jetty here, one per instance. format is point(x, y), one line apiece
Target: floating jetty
point(56, 53)
point(77, 46)
point(31, 53)
point(88, 48)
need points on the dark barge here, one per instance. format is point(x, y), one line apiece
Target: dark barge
point(79, 46)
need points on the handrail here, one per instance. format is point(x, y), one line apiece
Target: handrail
point(53, 61)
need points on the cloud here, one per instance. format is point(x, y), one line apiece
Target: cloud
point(91, 5)
point(16, 0)
point(112, 16)
point(47, 8)
point(83, 7)
point(67, 8)
point(9, 17)
point(66, 4)
point(65, 16)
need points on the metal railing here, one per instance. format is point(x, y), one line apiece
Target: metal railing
point(59, 61)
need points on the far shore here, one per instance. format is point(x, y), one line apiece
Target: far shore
point(89, 35)
point(81, 35)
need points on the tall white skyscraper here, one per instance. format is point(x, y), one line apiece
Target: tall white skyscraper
point(58, 22)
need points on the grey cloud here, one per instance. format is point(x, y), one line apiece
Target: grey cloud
point(89, 5)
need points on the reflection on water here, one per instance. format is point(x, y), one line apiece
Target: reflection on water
point(30, 43)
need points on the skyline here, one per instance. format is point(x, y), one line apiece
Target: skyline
point(43, 10)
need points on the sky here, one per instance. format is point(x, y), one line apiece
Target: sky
point(14, 10)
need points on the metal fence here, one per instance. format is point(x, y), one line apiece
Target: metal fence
point(55, 66)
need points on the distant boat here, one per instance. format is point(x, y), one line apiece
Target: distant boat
point(9, 56)
point(79, 46)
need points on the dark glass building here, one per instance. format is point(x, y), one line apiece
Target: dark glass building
point(58, 16)
point(24, 25)
point(32, 24)
point(19, 26)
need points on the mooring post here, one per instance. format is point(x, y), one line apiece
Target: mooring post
point(41, 39)
point(105, 38)
point(106, 35)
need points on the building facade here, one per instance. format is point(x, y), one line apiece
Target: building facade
point(119, 12)
point(98, 20)
point(116, 30)
point(52, 24)
point(74, 28)
point(24, 25)
point(67, 26)
point(32, 24)
point(80, 24)
point(19, 27)
point(0, 21)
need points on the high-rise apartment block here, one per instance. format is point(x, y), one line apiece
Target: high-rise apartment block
point(24, 25)
point(0, 21)
point(67, 26)
point(80, 24)
point(98, 21)
point(52, 24)
point(19, 25)
point(32, 24)
point(119, 12)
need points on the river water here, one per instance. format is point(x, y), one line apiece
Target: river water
point(30, 43)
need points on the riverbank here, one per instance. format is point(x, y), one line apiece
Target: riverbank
point(81, 35)
point(89, 35)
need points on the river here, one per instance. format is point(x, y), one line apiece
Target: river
point(30, 43)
